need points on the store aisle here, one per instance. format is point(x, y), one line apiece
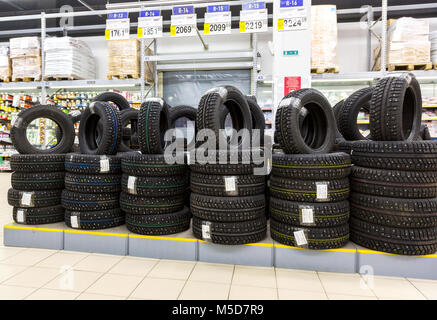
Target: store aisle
point(51, 274)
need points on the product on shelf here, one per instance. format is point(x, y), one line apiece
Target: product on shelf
point(25, 53)
point(308, 205)
point(324, 40)
point(408, 43)
point(433, 39)
point(37, 183)
point(124, 60)
point(5, 63)
point(69, 58)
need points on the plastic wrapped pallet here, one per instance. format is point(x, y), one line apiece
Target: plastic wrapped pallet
point(433, 39)
point(70, 58)
point(324, 37)
point(5, 63)
point(407, 43)
point(24, 47)
point(26, 67)
point(124, 60)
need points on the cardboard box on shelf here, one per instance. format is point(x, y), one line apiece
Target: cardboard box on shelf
point(26, 67)
point(124, 60)
point(324, 35)
point(5, 64)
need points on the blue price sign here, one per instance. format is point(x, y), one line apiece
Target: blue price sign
point(118, 15)
point(291, 3)
point(218, 8)
point(254, 5)
point(183, 10)
point(150, 13)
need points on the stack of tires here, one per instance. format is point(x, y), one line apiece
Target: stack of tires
point(92, 190)
point(309, 186)
point(153, 188)
point(37, 183)
point(227, 199)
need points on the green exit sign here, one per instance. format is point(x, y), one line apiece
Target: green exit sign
point(291, 53)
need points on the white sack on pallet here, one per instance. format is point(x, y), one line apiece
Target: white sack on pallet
point(324, 36)
point(24, 47)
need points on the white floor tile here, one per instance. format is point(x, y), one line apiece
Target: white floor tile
point(252, 293)
point(61, 260)
point(158, 289)
point(345, 284)
point(298, 280)
point(394, 288)
point(7, 252)
point(47, 294)
point(286, 294)
point(333, 296)
point(257, 277)
point(169, 269)
point(115, 285)
point(210, 272)
point(195, 290)
point(74, 280)
point(97, 263)
point(7, 271)
point(33, 277)
point(133, 267)
point(92, 296)
point(427, 288)
point(28, 257)
point(14, 293)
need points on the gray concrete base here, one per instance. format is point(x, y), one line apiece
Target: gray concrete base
point(109, 241)
point(384, 264)
point(181, 246)
point(49, 236)
point(334, 260)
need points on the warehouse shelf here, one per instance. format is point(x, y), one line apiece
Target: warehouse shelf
point(106, 83)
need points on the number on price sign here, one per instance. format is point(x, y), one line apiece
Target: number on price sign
point(253, 17)
point(297, 23)
point(117, 26)
point(217, 20)
point(183, 22)
point(150, 24)
point(292, 16)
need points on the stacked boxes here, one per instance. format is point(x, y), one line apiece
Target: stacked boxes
point(26, 58)
point(5, 63)
point(67, 57)
point(324, 36)
point(124, 60)
point(433, 40)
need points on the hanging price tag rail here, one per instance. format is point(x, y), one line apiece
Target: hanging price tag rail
point(253, 17)
point(117, 26)
point(217, 19)
point(183, 22)
point(150, 24)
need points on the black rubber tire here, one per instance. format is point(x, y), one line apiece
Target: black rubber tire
point(325, 214)
point(136, 164)
point(127, 140)
point(24, 118)
point(394, 212)
point(159, 224)
point(211, 113)
point(317, 238)
point(394, 183)
point(90, 164)
point(96, 183)
point(113, 97)
point(396, 155)
point(215, 185)
point(258, 119)
point(37, 162)
point(306, 190)
point(181, 112)
point(151, 205)
point(75, 201)
point(233, 233)
point(345, 146)
point(336, 110)
point(348, 114)
point(396, 109)
point(45, 215)
point(245, 164)
point(36, 181)
point(403, 241)
point(153, 122)
point(43, 198)
point(321, 119)
point(311, 166)
point(227, 209)
point(109, 117)
point(425, 135)
point(156, 186)
point(96, 220)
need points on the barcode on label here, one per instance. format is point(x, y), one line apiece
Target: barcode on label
point(301, 240)
point(307, 216)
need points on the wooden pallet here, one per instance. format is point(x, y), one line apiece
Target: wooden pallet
point(435, 66)
point(123, 76)
point(325, 70)
point(409, 67)
point(5, 79)
point(59, 78)
point(25, 79)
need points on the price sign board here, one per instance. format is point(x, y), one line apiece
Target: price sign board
point(117, 26)
point(150, 24)
point(292, 16)
point(217, 19)
point(253, 17)
point(183, 22)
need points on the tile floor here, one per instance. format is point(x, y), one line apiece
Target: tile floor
point(27, 273)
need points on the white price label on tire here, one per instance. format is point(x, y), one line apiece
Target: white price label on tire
point(74, 222)
point(322, 191)
point(307, 216)
point(20, 216)
point(131, 184)
point(104, 165)
point(300, 238)
point(206, 231)
point(230, 184)
point(26, 199)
